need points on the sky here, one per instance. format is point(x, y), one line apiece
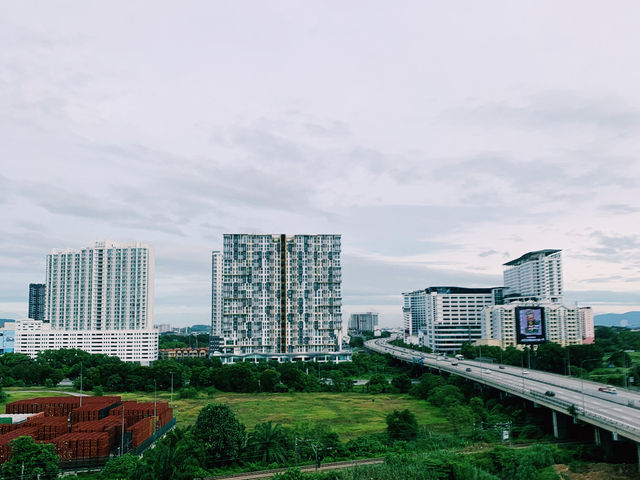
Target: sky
point(441, 139)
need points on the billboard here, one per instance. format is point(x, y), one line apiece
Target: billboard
point(7, 338)
point(530, 325)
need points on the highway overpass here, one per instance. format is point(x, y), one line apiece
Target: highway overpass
point(618, 413)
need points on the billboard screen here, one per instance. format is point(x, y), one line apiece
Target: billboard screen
point(7, 341)
point(530, 325)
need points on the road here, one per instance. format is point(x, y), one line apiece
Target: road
point(305, 468)
point(619, 413)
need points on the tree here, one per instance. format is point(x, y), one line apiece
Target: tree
point(120, 468)
point(619, 359)
point(377, 384)
point(268, 443)
point(402, 382)
point(269, 378)
point(36, 460)
point(402, 425)
point(445, 396)
point(460, 417)
point(220, 433)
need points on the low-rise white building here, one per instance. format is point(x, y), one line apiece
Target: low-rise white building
point(561, 324)
point(34, 336)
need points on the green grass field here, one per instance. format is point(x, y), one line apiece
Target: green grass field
point(349, 414)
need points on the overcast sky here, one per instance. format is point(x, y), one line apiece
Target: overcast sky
point(441, 139)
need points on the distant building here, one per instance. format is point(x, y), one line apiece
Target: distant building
point(586, 325)
point(562, 324)
point(7, 336)
point(535, 276)
point(363, 322)
point(98, 299)
point(447, 316)
point(215, 340)
point(180, 353)
point(277, 296)
point(37, 294)
point(164, 328)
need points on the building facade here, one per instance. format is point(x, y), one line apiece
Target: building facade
point(535, 276)
point(446, 317)
point(105, 287)
point(363, 322)
point(277, 296)
point(37, 295)
point(586, 325)
point(562, 324)
point(98, 299)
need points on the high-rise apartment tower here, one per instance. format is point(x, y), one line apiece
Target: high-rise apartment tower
point(104, 295)
point(277, 296)
point(37, 295)
point(535, 276)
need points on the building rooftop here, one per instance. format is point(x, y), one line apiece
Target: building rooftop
point(531, 256)
point(455, 290)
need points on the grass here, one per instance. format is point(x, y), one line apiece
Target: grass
point(349, 414)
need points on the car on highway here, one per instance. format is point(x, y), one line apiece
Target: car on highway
point(486, 370)
point(609, 389)
point(501, 367)
point(550, 393)
point(468, 369)
point(525, 372)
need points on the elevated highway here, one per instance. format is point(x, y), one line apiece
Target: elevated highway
point(616, 413)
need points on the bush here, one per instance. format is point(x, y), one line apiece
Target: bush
point(402, 425)
point(188, 392)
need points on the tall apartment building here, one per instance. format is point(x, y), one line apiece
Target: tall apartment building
point(536, 276)
point(99, 299)
point(37, 295)
point(562, 324)
point(586, 325)
point(277, 296)
point(215, 338)
point(447, 317)
point(363, 322)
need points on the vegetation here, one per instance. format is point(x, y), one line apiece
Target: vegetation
point(30, 461)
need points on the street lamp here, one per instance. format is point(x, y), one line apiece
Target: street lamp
point(582, 378)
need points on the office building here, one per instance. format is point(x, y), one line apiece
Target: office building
point(99, 299)
point(36, 300)
point(561, 324)
point(534, 276)
point(446, 317)
point(363, 322)
point(586, 325)
point(277, 296)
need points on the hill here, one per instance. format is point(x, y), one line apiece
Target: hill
point(628, 319)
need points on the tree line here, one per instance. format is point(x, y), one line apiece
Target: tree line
point(189, 375)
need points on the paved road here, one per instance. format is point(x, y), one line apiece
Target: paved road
point(307, 468)
point(619, 413)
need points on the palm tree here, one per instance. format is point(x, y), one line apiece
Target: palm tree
point(267, 442)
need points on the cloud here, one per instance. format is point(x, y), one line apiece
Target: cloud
point(551, 109)
point(619, 209)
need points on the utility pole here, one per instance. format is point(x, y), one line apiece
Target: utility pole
point(80, 383)
point(122, 433)
point(171, 389)
point(155, 406)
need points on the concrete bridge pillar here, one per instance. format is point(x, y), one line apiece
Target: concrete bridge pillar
point(559, 424)
point(596, 436)
point(638, 450)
